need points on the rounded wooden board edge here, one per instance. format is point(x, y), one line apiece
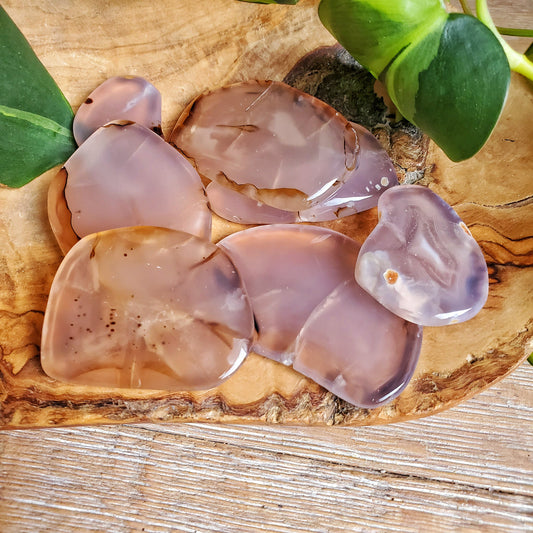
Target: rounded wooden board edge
point(29, 399)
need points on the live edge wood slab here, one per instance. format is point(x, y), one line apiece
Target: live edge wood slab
point(185, 48)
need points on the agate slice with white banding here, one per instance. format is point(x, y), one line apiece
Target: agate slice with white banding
point(287, 271)
point(146, 307)
point(357, 349)
point(268, 141)
point(421, 261)
point(128, 98)
point(126, 175)
point(373, 175)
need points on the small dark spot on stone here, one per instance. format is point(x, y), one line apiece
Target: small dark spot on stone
point(139, 325)
point(113, 323)
point(125, 254)
point(112, 330)
point(89, 101)
point(509, 140)
point(71, 338)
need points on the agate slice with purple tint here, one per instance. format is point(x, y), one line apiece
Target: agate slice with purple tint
point(126, 175)
point(119, 98)
point(310, 312)
point(357, 349)
point(373, 175)
point(287, 271)
point(421, 261)
point(268, 141)
point(146, 307)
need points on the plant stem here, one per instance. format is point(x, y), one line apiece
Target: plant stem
point(465, 7)
point(518, 62)
point(516, 32)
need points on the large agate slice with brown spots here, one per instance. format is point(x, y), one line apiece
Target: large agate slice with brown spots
point(310, 312)
point(373, 175)
point(269, 141)
point(128, 98)
point(148, 308)
point(421, 261)
point(126, 175)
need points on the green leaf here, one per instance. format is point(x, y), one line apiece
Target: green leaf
point(446, 73)
point(35, 117)
point(376, 31)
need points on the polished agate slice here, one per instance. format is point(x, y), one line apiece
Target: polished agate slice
point(146, 307)
point(236, 207)
point(373, 175)
point(421, 261)
point(126, 175)
point(270, 142)
point(357, 349)
point(128, 98)
point(287, 271)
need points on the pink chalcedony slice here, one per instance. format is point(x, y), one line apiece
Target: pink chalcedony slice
point(373, 175)
point(287, 271)
point(357, 349)
point(268, 141)
point(421, 261)
point(126, 175)
point(146, 307)
point(119, 98)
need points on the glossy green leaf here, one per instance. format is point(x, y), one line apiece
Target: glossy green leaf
point(35, 118)
point(446, 73)
point(376, 31)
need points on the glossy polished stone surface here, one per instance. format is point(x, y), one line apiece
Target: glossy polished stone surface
point(126, 175)
point(128, 98)
point(373, 175)
point(287, 271)
point(146, 308)
point(270, 142)
point(421, 261)
point(357, 349)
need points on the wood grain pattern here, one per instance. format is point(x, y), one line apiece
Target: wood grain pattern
point(468, 469)
point(185, 48)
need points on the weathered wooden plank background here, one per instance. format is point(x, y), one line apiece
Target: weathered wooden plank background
point(467, 469)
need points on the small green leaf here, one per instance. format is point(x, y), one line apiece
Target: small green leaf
point(446, 73)
point(35, 117)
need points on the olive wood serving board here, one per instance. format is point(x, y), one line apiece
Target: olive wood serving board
point(185, 48)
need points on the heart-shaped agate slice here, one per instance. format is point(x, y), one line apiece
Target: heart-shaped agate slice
point(373, 175)
point(310, 312)
point(126, 175)
point(421, 261)
point(128, 98)
point(146, 307)
point(268, 141)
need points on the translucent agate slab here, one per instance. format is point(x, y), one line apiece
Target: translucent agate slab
point(126, 175)
point(269, 141)
point(357, 349)
point(421, 261)
point(119, 98)
point(373, 175)
point(287, 271)
point(146, 307)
